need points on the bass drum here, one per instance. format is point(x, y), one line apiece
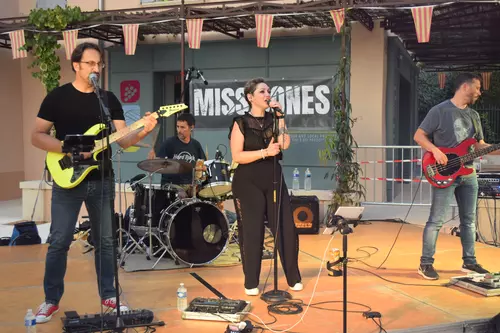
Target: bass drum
point(195, 232)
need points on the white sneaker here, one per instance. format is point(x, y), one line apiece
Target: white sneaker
point(252, 292)
point(297, 287)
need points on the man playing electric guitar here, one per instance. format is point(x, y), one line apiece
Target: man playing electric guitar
point(447, 125)
point(72, 109)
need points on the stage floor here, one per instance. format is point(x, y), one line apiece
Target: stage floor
point(402, 306)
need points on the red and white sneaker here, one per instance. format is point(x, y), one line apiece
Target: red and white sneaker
point(111, 303)
point(45, 312)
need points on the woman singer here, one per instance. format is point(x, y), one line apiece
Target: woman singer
point(253, 148)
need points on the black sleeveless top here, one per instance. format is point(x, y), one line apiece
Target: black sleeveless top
point(257, 132)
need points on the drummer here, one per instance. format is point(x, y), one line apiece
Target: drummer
point(181, 147)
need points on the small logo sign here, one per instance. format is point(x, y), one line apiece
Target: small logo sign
point(130, 91)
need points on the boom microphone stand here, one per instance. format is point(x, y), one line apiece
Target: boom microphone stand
point(275, 295)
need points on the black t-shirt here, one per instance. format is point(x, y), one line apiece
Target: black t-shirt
point(174, 148)
point(74, 112)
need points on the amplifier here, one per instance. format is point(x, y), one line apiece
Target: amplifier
point(305, 212)
point(489, 185)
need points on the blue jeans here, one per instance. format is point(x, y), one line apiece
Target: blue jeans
point(66, 204)
point(465, 189)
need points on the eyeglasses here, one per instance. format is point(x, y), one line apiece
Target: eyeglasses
point(93, 64)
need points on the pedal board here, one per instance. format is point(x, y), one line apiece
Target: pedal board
point(74, 323)
point(484, 284)
point(216, 309)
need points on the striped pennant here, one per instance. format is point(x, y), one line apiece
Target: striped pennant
point(17, 41)
point(486, 80)
point(130, 37)
point(422, 17)
point(194, 28)
point(69, 37)
point(338, 16)
point(264, 25)
point(441, 80)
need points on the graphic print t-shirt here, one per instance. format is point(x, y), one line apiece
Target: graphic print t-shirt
point(447, 125)
point(175, 149)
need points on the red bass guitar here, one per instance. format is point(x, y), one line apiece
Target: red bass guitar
point(442, 176)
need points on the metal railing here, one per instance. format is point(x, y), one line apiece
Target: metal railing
point(393, 175)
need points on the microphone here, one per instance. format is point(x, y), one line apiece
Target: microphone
point(135, 179)
point(188, 75)
point(218, 155)
point(94, 80)
point(200, 75)
point(275, 109)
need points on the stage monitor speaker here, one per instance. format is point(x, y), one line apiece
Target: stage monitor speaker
point(305, 211)
point(488, 221)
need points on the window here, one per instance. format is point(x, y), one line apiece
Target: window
point(45, 4)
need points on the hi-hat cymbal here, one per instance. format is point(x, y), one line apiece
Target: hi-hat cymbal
point(165, 166)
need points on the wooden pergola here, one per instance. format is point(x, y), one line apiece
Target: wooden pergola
point(465, 35)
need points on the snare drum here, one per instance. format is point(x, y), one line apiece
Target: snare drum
point(218, 180)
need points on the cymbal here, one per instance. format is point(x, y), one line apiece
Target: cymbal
point(165, 166)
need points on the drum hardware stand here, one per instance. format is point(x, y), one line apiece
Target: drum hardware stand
point(121, 250)
point(149, 234)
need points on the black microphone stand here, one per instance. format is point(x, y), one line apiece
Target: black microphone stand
point(275, 295)
point(106, 116)
point(344, 228)
point(106, 158)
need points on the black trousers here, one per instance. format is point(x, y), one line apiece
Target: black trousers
point(253, 200)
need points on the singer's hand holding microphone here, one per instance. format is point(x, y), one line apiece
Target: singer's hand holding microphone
point(276, 106)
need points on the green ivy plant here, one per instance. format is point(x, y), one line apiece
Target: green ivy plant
point(339, 145)
point(43, 44)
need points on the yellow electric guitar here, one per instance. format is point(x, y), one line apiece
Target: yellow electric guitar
point(61, 165)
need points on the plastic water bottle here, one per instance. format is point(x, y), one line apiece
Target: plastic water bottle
point(181, 298)
point(307, 180)
point(30, 322)
point(296, 180)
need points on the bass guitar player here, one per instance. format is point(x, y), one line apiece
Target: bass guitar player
point(451, 133)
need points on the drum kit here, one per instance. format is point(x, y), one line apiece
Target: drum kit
point(180, 221)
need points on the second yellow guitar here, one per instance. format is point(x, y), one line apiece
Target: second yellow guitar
point(60, 165)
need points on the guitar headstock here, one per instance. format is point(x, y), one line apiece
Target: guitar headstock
point(168, 110)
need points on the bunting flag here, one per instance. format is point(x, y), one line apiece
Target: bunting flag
point(338, 16)
point(486, 80)
point(422, 17)
point(17, 41)
point(442, 80)
point(69, 37)
point(264, 25)
point(194, 28)
point(130, 37)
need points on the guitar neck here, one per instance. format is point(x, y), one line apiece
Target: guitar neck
point(481, 152)
point(100, 144)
